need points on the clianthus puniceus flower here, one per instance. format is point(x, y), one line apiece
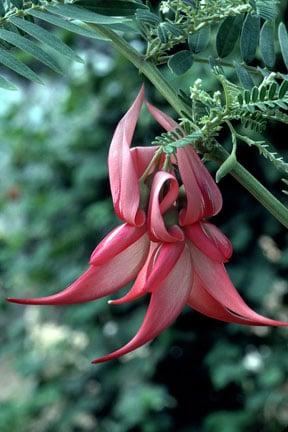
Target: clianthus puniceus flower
point(166, 245)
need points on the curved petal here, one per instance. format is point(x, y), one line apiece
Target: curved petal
point(139, 287)
point(210, 240)
point(142, 156)
point(166, 303)
point(218, 284)
point(122, 172)
point(160, 262)
point(201, 301)
point(204, 198)
point(115, 242)
point(156, 224)
point(163, 119)
point(203, 195)
point(99, 281)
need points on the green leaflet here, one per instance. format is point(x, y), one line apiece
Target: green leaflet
point(228, 34)
point(16, 65)
point(45, 37)
point(199, 40)
point(17, 3)
point(180, 62)
point(79, 13)
point(5, 84)
point(162, 33)
point(267, 98)
point(267, 9)
point(31, 48)
point(243, 76)
point(111, 7)
point(249, 37)
point(147, 17)
point(283, 41)
point(283, 89)
point(166, 29)
point(67, 25)
point(2, 8)
point(267, 46)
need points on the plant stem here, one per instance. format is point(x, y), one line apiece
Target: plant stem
point(251, 69)
point(269, 201)
point(219, 154)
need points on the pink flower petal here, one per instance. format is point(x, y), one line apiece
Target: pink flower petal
point(142, 157)
point(163, 119)
point(99, 281)
point(122, 172)
point(115, 242)
point(203, 195)
point(218, 284)
point(166, 303)
point(156, 224)
point(201, 301)
point(210, 240)
point(160, 262)
point(139, 287)
point(204, 198)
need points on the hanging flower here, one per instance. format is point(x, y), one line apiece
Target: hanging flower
point(166, 245)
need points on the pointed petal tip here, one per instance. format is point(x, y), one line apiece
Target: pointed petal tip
point(37, 301)
point(99, 360)
point(20, 301)
point(14, 300)
point(112, 356)
point(127, 298)
point(116, 301)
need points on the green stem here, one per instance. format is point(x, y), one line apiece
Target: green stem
point(251, 69)
point(271, 203)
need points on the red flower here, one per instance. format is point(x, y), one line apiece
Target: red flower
point(166, 244)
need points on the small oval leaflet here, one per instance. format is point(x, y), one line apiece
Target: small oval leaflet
point(267, 47)
point(283, 41)
point(228, 34)
point(180, 62)
point(249, 37)
point(243, 76)
point(199, 40)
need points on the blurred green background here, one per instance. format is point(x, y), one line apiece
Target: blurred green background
point(200, 375)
